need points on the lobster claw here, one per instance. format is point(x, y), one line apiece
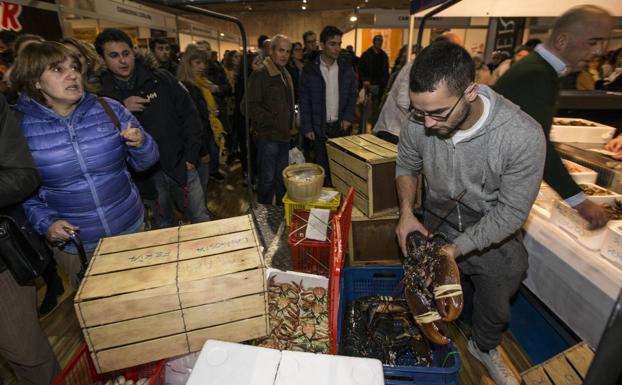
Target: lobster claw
point(434, 331)
point(447, 289)
point(414, 240)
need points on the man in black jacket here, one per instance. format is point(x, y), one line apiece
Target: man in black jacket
point(161, 49)
point(327, 96)
point(374, 71)
point(22, 341)
point(166, 111)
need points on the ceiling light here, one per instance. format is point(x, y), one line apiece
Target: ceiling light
point(304, 1)
point(222, 34)
point(358, 7)
point(353, 18)
point(304, 7)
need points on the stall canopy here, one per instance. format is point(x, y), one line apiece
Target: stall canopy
point(522, 8)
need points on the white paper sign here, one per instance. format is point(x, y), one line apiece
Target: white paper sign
point(317, 226)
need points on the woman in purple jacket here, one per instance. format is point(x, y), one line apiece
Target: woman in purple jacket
point(81, 146)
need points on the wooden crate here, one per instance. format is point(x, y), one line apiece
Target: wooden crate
point(366, 163)
point(567, 368)
point(163, 293)
point(372, 240)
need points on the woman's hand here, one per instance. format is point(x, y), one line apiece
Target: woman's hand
point(57, 233)
point(615, 145)
point(133, 136)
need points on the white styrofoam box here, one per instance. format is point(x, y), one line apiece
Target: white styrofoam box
point(546, 197)
point(569, 220)
point(585, 175)
point(608, 199)
point(580, 134)
point(230, 363)
point(612, 246)
point(308, 280)
point(298, 368)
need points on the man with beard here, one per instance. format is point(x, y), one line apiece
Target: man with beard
point(161, 49)
point(482, 159)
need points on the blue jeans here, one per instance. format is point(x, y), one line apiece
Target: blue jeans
point(272, 158)
point(189, 199)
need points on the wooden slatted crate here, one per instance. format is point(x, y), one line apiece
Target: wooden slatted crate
point(372, 240)
point(366, 163)
point(567, 368)
point(163, 293)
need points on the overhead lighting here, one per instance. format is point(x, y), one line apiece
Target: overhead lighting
point(304, 1)
point(358, 7)
point(304, 7)
point(353, 18)
point(222, 34)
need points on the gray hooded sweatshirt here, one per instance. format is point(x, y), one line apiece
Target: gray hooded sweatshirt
point(496, 173)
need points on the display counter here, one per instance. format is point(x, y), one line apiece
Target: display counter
point(575, 283)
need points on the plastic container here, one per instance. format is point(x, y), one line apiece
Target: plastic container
point(562, 130)
point(303, 182)
point(80, 370)
point(365, 281)
point(291, 205)
point(579, 173)
point(570, 221)
point(608, 198)
point(308, 256)
point(314, 257)
point(612, 245)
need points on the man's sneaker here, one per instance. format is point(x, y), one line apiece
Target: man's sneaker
point(497, 369)
point(217, 176)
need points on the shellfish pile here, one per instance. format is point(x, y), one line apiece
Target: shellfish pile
point(298, 318)
point(382, 327)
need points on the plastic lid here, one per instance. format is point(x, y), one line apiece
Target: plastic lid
point(217, 356)
point(288, 366)
point(362, 374)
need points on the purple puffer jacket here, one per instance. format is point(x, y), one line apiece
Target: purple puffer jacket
point(82, 162)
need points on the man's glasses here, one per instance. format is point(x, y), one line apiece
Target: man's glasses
point(417, 116)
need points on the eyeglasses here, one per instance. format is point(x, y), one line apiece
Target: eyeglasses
point(417, 116)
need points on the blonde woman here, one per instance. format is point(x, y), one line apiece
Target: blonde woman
point(190, 73)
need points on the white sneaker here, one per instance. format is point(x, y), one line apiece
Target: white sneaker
point(497, 369)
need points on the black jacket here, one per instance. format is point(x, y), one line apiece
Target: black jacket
point(199, 101)
point(312, 96)
point(374, 67)
point(18, 172)
point(171, 117)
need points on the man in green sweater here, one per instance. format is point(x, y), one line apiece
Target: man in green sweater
point(577, 37)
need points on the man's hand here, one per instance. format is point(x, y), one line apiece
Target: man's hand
point(310, 135)
point(615, 145)
point(345, 125)
point(451, 250)
point(189, 166)
point(406, 225)
point(57, 233)
point(133, 136)
point(135, 103)
point(595, 214)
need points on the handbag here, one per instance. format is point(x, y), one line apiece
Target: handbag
point(22, 251)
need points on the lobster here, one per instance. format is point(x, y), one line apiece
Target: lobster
point(432, 285)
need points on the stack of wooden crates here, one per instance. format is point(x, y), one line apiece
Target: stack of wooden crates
point(367, 163)
point(163, 293)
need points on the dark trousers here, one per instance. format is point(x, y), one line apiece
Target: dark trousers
point(214, 155)
point(272, 158)
point(389, 137)
point(22, 341)
point(333, 130)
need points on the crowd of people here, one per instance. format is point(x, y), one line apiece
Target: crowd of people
point(106, 139)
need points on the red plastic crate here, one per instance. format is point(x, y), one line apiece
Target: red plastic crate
point(80, 370)
point(314, 257)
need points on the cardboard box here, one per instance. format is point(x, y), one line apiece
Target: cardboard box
point(163, 293)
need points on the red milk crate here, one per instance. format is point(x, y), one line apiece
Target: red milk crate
point(81, 371)
point(314, 257)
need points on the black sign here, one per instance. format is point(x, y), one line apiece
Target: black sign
point(420, 5)
point(18, 18)
point(509, 33)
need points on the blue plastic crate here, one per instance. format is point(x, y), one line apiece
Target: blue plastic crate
point(359, 282)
